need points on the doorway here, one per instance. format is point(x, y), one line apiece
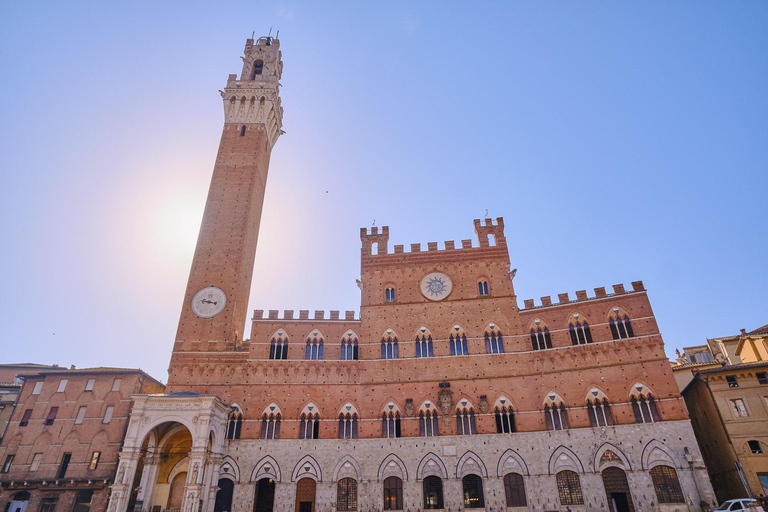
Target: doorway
point(305, 495)
point(265, 495)
point(617, 490)
point(224, 496)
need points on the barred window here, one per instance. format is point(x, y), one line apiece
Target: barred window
point(505, 420)
point(569, 488)
point(310, 426)
point(599, 413)
point(473, 491)
point(270, 426)
point(393, 493)
point(389, 348)
point(314, 349)
point(540, 339)
point(349, 348)
point(580, 333)
point(645, 409)
point(666, 485)
point(433, 492)
point(621, 327)
point(428, 424)
point(465, 422)
point(346, 495)
point(278, 348)
point(494, 344)
point(514, 489)
point(348, 426)
point(459, 345)
point(390, 425)
point(556, 416)
point(424, 346)
point(234, 424)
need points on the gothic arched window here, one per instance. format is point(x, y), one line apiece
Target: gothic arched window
point(393, 493)
point(599, 412)
point(514, 489)
point(666, 485)
point(505, 420)
point(346, 495)
point(428, 425)
point(390, 424)
point(465, 422)
point(482, 288)
point(579, 331)
point(473, 491)
point(314, 348)
point(569, 488)
point(278, 347)
point(348, 425)
point(644, 405)
point(621, 327)
point(270, 426)
point(540, 338)
point(494, 344)
point(349, 347)
point(433, 492)
point(234, 423)
point(310, 425)
point(556, 416)
point(424, 345)
point(389, 348)
point(458, 342)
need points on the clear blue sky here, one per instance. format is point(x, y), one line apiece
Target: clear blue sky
point(620, 141)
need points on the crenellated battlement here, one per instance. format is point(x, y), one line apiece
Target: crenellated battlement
point(581, 296)
point(288, 314)
point(483, 230)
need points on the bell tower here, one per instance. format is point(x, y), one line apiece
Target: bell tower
point(216, 300)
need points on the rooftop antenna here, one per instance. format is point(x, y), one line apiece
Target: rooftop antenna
point(277, 36)
point(486, 213)
point(374, 223)
point(253, 34)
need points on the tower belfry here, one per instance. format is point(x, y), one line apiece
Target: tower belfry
point(216, 298)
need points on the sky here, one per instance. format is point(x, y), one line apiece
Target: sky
point(620, 141)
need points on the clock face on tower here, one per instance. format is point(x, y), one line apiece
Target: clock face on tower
point(209, 302)
point(436, 286)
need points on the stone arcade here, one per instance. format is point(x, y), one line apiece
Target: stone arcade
point(442, 394)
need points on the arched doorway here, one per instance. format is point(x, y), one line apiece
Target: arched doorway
point(224, 496)
point(305, 495)
point(176, 494)
point(617, 490)
point(19, 502)
point(265, 495)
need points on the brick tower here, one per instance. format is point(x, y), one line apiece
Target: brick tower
point(216, 299)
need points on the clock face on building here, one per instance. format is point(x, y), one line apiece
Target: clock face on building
point(436, 286)
point(209, 302)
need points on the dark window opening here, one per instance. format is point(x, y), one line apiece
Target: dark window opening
point(389, 348)
point(755, 448)
point(459, 345)
point(645, 410)
point(666, 485)
point(494, 344)
point(433, 492)
point(310, 426)
point(242, 131)
point(389, 295)
point(7, 463)
point(424, 346)
point(482, 288)
point(428, 425)
point(473, 491)
point(270, 426)
point(556, 417)
point(599, 413)
point(64, 465)
point(258, 68)
point(348, 426)
point(465, 423)
point(505, 420)
point(393, 493)
point(580, 333)
point(732, 382)
point(540, 339)
point(762, 377)
point(390, 425)
point(51, 415)
point(234, 425)
point(514, 489)
point(621, 328)
point(278, 348)
point(25, 418)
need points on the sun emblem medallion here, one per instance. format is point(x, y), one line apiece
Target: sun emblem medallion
point(436, 286)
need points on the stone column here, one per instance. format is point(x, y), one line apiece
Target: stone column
point(211, 481)
point(193, 490)
point(148, 479)
point(126, 470)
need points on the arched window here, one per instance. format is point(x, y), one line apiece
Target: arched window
point(540, 338)
point(433, 492)
point(234, 423)
point(389, 348)
point(258, 67)
point(465, 421)
point(645, 409)
point(482, 288)
point(621, 328)
point(424, 343)
point(270, 426)
point(514, 489)
point(666, 485)
point(569, 488)
point(349, 347)
point(428, 424)
point(348, 426)
point(556, 416)
point(310, 423)
point(393, 493)
point(458, 341)
point(473, 491)
point(314, 348)
point(242, 131)
point(505, 420)
point(278, 347)
point(346, 495)
point(579, 330)
point(494, 343)
point(389, 295)
point(599, 412)
point(390, 424)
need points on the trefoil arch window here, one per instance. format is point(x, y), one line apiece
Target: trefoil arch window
point(579, 331)
point(555, 415)
point(540, 337)
point(349, 351)
point(314, 348)
point(599, 412)
point(465, 422)
point(505, 419)
point(389, 348)
point(310, 426)
point(234, 423)
point(458, 341)
point(645, 409)
point(348, 425)
point(270, 426)
point(424, 346)
point(433, 492)
point(494, 343)
point(621, 327)
point(390, 424)
point(278, 347)
point(428, 424)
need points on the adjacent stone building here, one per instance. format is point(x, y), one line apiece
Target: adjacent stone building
point(727, 396)
point(443, 393)
point(61, 447)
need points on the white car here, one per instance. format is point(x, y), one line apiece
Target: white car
point(740, 504)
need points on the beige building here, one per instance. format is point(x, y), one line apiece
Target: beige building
point(727, 399)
